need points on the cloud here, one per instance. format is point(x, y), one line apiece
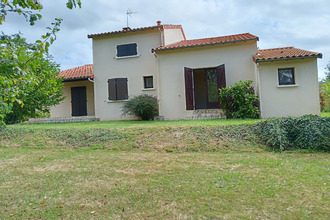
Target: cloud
point(303, 24)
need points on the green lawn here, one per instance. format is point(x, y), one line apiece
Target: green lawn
point(156, 170)
point(140, 124)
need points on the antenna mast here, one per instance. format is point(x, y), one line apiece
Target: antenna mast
point(129, 14)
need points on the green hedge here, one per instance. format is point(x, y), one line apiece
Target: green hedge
point(305, 132)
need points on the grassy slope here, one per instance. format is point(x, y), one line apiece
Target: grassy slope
point(107, 170)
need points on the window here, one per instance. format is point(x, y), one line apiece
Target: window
point(148, 82)
point(118, 89)
point(125, 50)
point(286, 76)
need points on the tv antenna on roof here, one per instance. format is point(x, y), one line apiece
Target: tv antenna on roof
point(129, 14)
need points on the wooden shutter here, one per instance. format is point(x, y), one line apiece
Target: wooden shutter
point(131, 49)
point(121, 50)
point(188, 76)
point(221, 75)
point(126, 50)
point(122, 91)
point(112, 89)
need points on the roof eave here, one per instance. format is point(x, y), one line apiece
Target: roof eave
point(77, 79)
point(204, 45)
point(122, 32)
point(287, 58)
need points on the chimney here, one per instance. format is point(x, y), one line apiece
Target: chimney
point(159, 23)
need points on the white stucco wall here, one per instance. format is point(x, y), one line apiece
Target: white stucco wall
point(107, 66)
point(279, 101)
point(64, 108)
point(172, 36)
point(238, 62)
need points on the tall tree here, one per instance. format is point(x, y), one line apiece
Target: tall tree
point(35, 82)
point(27, 73)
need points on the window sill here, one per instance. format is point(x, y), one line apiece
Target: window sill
point(149, 89)
point(116, 101)
point(287, 86)
point(127, 57)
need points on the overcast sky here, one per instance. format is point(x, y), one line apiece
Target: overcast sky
point(304, 24)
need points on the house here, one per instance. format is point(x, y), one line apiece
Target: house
point(185, 75)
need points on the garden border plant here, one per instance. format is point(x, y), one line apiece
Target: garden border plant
point(142, 106)
point(240, 100)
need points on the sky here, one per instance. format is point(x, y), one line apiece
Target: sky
point(304, 24)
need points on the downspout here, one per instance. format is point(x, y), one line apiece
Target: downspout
point(259, 89)
point(89, 79)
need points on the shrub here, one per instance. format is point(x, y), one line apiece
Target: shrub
point(325, 95)
point(305, 132)
point(142, 106)
point(239, 100)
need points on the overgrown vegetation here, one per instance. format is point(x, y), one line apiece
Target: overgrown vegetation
point(240, 101)
point(305, 132)
point(143, 106)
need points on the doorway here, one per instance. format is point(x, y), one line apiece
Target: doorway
point(202, 87)
point(79, 101)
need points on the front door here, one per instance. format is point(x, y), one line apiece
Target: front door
point(78, 101)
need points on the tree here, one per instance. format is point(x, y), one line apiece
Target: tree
point(37, 88)
point(26, 70)
point(325, 91)
point(327, 73)
point(28, 9)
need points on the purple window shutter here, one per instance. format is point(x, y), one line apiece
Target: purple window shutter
point(221, 75)
point(112, 89)
point(188, 76)
point(122, 91)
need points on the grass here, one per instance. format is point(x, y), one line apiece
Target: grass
point(99, 184)
point(139, 124)
point(213, 169)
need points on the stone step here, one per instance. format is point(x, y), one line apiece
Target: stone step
point(63, 119)
point(207, 114)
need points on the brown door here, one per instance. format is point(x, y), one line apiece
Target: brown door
point(78, 101)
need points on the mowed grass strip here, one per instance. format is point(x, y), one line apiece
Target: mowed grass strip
point(102, 184)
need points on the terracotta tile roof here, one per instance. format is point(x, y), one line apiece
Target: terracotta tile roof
point(209, 41)
point(78, 72)
point(283, 53)
point(129, 30)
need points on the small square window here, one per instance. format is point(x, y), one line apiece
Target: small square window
point(148, 82)
point(286, 76)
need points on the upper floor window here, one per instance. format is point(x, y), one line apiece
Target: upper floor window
point(125, 50)
point(286, 76)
